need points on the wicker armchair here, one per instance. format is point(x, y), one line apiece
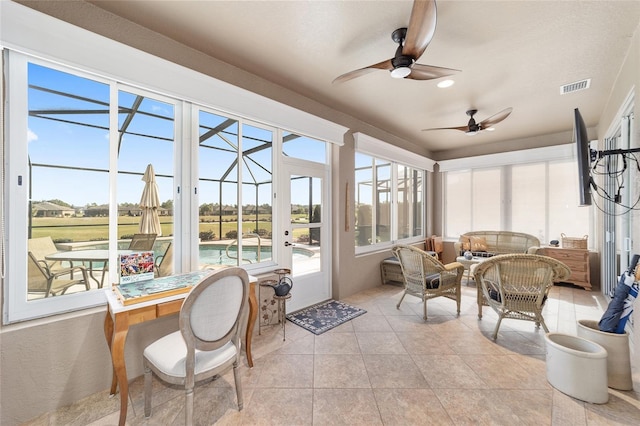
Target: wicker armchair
point(516, 286)
point(425, 277)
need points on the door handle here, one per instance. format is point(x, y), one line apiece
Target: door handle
point(287, 244)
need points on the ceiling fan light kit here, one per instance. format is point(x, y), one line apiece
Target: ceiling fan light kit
point(400, 72)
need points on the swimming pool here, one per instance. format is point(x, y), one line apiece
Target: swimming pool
point(216, 254)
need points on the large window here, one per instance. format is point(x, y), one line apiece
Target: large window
point(388, 202)
point(84, 133)
point(95, 151)
point(538, 197)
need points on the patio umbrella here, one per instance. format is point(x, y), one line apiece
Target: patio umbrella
point(149, 203)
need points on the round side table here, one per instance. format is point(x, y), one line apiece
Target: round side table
point(265, 317)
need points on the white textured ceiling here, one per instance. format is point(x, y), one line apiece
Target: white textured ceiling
point(510, 53)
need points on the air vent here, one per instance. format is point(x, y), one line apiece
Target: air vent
point(574, 87)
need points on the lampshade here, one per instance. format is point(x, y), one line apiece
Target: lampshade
point(400, 72)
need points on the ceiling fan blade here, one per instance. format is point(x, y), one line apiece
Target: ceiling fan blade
point(422, 26)
point(429, 72)
point(496, 118)
point(384, 65)
point(461, 128)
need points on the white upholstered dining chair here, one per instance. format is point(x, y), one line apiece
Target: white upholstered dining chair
point(212, 319)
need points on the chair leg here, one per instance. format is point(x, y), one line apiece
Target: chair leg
point(401, 299)
point(236, 376)
point(544, 325)
point(424, 309)
point(147, 391)
point(495, 332)
point(458, 297)
point(188, 406)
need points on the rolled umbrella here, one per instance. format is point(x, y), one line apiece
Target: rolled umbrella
point(149, 203)
point(620, 308)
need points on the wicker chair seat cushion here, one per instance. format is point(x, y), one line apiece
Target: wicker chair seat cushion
point(495, 295)
point(432, 281)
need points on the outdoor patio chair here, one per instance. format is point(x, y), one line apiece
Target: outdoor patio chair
point(426, 277)
point(164, 262)
point(41, 247)
point(516, 286)
point(142, 242)
point(212, 322)
point(42, 279)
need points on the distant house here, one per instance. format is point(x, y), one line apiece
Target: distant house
point(47, 209)
point(97, 211)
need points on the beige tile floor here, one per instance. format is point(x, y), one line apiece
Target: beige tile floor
point(388, 367)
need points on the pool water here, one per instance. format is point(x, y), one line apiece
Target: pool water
point(213, 254)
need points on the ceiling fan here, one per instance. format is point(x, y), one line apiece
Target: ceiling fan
point(473, 128)
point(412, 42)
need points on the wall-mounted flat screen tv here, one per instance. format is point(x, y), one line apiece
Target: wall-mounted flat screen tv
point(583, 153)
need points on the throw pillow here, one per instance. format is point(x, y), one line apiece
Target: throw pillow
point(466, 244)
point(478, 243)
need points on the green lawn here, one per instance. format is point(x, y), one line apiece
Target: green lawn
point(77, 229)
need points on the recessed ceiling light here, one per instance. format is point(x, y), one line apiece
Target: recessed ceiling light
point(445, 83)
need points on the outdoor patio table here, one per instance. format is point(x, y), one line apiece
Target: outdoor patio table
point(90, 256)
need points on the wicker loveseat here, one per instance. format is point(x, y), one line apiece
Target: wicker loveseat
point(495, 242)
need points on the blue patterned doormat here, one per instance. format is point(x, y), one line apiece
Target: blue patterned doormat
point(325, 316)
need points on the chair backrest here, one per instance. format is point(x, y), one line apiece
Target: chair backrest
point(40, 248)
point(416, 264)
point(520, 273)
point(142, 242)
point(164, 266)
point(215, 311)
point(38, 276)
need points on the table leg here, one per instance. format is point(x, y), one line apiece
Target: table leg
point(98, 283)
point(118, 328)
point(253, 313)
point(108, 334)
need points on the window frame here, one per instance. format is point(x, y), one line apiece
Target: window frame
point(396, 156)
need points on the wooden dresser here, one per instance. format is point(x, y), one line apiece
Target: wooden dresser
point(576, 259)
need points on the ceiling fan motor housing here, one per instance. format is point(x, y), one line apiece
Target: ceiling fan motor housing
point(402, 61)
point(473, 127)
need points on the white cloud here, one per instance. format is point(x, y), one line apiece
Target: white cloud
point(31, 136)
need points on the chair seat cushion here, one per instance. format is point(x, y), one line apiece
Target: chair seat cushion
point(433, 281)
point(168, 355)
point(495, 295)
